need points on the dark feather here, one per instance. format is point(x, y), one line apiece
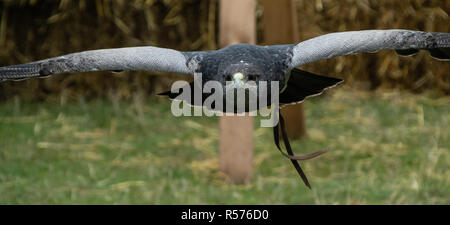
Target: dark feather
point(440, 53)
point(193, 88)
point(407, 52)
point(303, 84)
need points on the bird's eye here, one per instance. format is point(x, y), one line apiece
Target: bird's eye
point(252, 77)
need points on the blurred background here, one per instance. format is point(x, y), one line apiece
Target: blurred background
point(105, 138)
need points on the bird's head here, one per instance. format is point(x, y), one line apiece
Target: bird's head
point(241, 75)
point(243, 69)
point(247, 79)
point(242, 66)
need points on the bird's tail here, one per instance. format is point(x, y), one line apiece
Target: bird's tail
point(190, 98)
point(302, 84)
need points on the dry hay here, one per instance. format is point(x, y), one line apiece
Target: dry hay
point(385, 69)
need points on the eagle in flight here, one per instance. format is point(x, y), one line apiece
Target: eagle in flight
point(243, 63)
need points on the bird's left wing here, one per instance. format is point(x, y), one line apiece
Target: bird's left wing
point(405, 42)
point(134, 58)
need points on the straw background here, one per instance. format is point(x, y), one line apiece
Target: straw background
point(36, 29)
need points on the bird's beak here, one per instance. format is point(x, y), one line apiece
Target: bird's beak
point(238, 79)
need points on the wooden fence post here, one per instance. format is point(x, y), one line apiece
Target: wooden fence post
point(236, 25)
point(280, 27)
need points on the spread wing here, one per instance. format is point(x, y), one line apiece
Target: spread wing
point(405, 42)
point(135, 58)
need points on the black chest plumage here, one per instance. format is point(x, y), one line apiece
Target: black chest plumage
point(270, 62)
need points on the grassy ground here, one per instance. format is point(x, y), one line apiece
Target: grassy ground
point(385, 148)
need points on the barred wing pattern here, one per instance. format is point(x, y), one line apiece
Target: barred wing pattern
point(135, 58)
point(405, 42)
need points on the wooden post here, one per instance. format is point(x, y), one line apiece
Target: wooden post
point(280, 27)
point(236, 25)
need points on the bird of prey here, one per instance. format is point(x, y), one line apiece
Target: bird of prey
point(243, 63)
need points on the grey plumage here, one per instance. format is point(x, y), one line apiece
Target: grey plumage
point(345, 43)
point(136, 58)
point(278, 60)
point(258, 63)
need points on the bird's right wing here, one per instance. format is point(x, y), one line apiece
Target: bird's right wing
point(405, 42)
point(119, 59)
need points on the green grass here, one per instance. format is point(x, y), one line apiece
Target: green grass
point(385, 148)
